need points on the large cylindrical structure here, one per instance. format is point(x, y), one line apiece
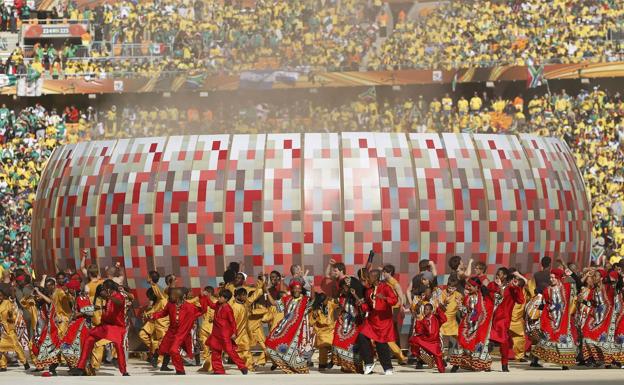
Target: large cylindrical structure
point(191, 204)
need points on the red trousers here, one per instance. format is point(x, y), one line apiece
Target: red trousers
point(171, 344)
point(415, 347)
point(217, 346)
point(115, 334)
point(504, 350)
point(188, 345)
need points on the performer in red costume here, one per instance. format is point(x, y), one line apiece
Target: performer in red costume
point(182, 316)
point(378, 327)
point(291, 343)
point(508, 294)
point(556, 344)
point(472, 351)
point(223, 333)
point(426, 338)
point(78, 329)
point(112, 328)
point(598, 344)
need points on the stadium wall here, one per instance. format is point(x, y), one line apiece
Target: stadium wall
point(189, 205)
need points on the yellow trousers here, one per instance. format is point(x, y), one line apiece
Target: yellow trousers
point(151, 336)
point(257, 337)
point(396, 351)
point(519, 343)
point(97, 354)
point(145, 335)
point(10, 343)
point(246, 356)
point(203, 337)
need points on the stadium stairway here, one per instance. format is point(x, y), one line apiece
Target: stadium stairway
point(378, 43)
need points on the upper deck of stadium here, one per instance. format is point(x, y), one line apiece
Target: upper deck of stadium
point(124, 39)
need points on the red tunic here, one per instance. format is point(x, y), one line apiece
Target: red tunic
point(596, 328)
point(474, 327)
point(224, 325)
point(75, 327)
point(181, 318)
point(427, 332)
point(378, 326)
point(113, 326)
point(555, 319)
point(507, 298)
point(330, 287)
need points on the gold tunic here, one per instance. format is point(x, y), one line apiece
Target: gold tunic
point(450, 327)
point(324, 324)
point(62, 305)
point(8, 337)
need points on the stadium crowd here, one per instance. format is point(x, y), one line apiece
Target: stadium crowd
point(591, 122)
point(468, 34)
point(173, 36)
point(145, 38)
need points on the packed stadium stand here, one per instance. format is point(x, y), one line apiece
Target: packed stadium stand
point(124, 39)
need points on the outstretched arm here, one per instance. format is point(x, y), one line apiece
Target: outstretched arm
point(269, 296)
point(469, 267)
point(83, 265)
point(43, 279)
point(43, 296)
point(332, 262)
point(408, 294)
point(161, 314)
point(434, 271)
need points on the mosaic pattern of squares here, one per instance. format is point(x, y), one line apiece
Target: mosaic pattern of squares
point(189, 205)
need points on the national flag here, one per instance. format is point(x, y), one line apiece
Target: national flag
point(7, 80)
point(369, 94)
point(32, 74)
point(288, 77)
point(454, 82)
point(265, 79)
point(31, 84)
point(259, 80)
point(536, 76)
point(195, 80)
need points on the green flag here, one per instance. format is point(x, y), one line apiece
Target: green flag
point(536, 76)
point(32, 74)
point(369, 94)
point(7, 80)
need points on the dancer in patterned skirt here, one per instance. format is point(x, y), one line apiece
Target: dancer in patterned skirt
point(472, 351)
point(291, 343)
point(556, 344)
point(348, 325)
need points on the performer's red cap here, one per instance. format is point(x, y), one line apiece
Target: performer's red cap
point(474, 281)
point(73, 285)
point(558, 273)
point(614, 275)
point(295, 282)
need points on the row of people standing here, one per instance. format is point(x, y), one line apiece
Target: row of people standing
point(562, 316)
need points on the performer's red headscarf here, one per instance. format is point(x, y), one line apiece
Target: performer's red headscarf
point(474, 281)
point(73, 285)
point(558, 273)
point(293, 283)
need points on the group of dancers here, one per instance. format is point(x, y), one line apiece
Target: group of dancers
point(561, 315)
